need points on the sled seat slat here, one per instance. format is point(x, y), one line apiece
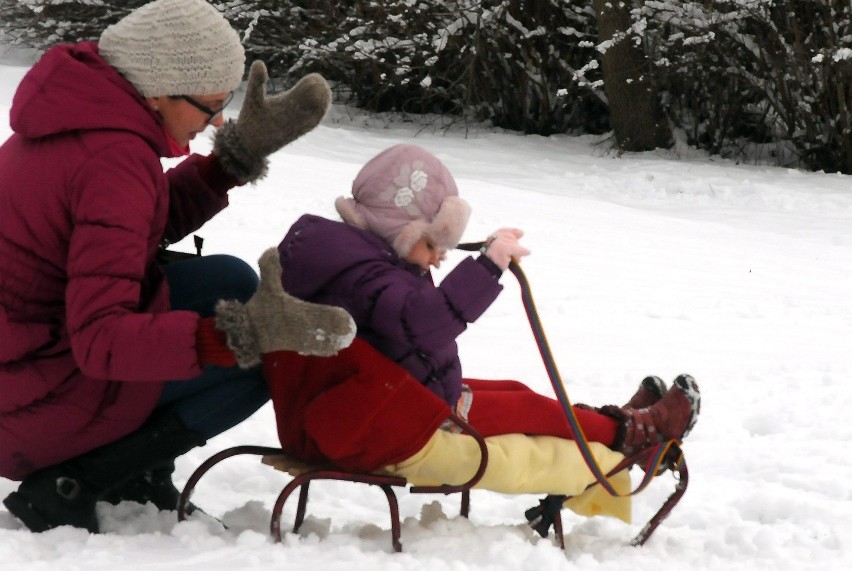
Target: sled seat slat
point(291, 465)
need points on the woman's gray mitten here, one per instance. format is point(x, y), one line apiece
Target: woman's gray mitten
point(272, 320)
point(265, 124)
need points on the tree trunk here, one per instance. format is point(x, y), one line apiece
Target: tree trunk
point(634, 111)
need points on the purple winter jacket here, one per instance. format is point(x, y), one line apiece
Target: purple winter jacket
point(86, 335)
point(398, 311)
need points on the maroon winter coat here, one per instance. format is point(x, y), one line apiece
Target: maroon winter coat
point(86, 335)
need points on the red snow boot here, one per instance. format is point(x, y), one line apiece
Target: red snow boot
point(670, 418)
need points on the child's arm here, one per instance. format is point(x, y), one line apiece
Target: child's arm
point(430, 316)
point(472, 287)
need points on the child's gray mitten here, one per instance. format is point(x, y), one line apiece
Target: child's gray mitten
point(265, 124)
point(273, 320)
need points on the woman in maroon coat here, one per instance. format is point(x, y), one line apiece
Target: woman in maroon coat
point(111, 365)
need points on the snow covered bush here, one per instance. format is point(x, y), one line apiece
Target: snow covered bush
point(41, 23)
point(736, 76)
point(740, 73)
point(502, 61)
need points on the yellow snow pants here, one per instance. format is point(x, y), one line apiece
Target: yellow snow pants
point(521, 464)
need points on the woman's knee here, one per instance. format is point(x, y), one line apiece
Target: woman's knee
point(236, 279)
point(198, 283)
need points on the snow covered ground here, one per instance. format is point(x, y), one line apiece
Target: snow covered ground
point(663, 263)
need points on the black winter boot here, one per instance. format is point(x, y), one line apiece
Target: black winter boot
point(54, 496)
point(66, 494)
point(153, 486)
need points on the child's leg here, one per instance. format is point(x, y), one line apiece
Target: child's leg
point(519, 464)
point(504, 407)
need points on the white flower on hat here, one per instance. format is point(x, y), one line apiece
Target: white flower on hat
point(417, 181)
point(403, 197)
point(410, 180)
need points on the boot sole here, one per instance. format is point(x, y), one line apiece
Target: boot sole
point(21, 508)
point(689, 388)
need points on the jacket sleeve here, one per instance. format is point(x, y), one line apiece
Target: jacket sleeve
point(115, 205)
point(198, 190)
point(428, 316)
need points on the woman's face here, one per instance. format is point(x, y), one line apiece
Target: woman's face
point(426, 254)
point(183, 117)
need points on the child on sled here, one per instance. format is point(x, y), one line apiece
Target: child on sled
point(403, 216)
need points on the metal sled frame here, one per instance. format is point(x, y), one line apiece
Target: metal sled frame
point(303, 474)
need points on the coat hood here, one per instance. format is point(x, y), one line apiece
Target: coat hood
point(71, 88)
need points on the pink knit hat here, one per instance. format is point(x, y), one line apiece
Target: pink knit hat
point(403, 194)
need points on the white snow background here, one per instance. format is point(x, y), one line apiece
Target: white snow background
point(658, 262)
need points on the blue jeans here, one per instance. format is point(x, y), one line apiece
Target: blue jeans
point(220, 397)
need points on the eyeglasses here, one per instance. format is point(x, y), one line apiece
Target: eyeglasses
point(204, 109)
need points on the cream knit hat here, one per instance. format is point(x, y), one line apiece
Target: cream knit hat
point(175, 47)
point(403, 194)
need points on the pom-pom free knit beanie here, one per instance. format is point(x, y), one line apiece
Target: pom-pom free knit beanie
point(403, 194)
point(175, 47)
